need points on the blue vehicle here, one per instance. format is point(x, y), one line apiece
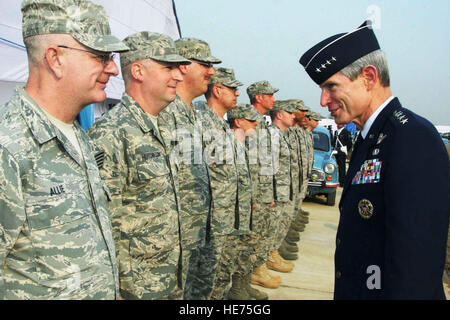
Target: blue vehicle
point(324, 178)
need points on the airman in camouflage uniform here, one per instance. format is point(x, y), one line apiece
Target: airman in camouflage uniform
point(265, 214)
point(314, 119)
point(289, 247)
point(182, 134)
point(136, 167)
point(282, 118)
point(243, 122)
point(55, 234)
point(294, 145)
point(309, 139)
point(221, 157)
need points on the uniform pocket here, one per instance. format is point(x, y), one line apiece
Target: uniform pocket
point(153, 165)
point(54, 204)
point(64, 235)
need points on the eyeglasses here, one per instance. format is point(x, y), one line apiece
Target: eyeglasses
point(104, 57)
point(206, 64)
point(232, 89)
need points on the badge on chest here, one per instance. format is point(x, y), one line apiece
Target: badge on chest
point(370, 172)
point(365, 208)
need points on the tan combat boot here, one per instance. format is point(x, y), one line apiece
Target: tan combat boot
point(273, 276)
point(263, 279)
point(282, 260)
point(275, 263)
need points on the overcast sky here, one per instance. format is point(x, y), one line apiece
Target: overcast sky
point(264, 39)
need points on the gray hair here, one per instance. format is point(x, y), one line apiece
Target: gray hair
point(126, 71)
point(37, 45)
point(377, 59)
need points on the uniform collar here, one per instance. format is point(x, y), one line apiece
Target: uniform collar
point(219, 121)
point(43, 130)
point(373, 117)
point(184, 108)
point(35, 118)
point(141, 117)
point(261, 121)
point(277, 127)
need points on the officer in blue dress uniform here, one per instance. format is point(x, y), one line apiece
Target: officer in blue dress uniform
point(394, 209)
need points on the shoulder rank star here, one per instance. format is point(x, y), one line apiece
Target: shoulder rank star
point(400, 116)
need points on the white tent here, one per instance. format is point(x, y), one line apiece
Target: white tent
point(126, 17)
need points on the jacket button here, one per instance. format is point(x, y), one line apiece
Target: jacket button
point(338, 274)
point(338, 242)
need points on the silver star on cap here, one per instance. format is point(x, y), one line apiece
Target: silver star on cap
point(333, 58)
point(318, 70)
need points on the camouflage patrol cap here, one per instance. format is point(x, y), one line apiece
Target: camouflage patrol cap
point(316, 116)
point(195, 49)
point(305, 108)
point(260, 87)
point(87, 22)
point(243, 111)
point(313, 115)
point(283, 105)
point(226, 77)
point(157, 46)
point(299, 104)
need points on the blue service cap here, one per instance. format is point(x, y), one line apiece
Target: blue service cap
point(335, 53)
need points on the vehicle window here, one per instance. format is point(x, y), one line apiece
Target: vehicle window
point(321, 141)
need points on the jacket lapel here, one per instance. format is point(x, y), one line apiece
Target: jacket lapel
point(360, 152)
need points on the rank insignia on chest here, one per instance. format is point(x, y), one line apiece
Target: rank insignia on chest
point(365, 208)
point(369, 172)
point(100, 159)
point(381, 137)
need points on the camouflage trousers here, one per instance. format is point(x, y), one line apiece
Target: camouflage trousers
point(177, 294)
point(202, 269)
point(190, 258)
point(238, 256)
point(248, 257)
point(298, 202)
point(287, 216)
point(192, 245)
point(300, 198)
point(265, 224)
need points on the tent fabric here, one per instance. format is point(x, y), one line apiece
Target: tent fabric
point(126, 17)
